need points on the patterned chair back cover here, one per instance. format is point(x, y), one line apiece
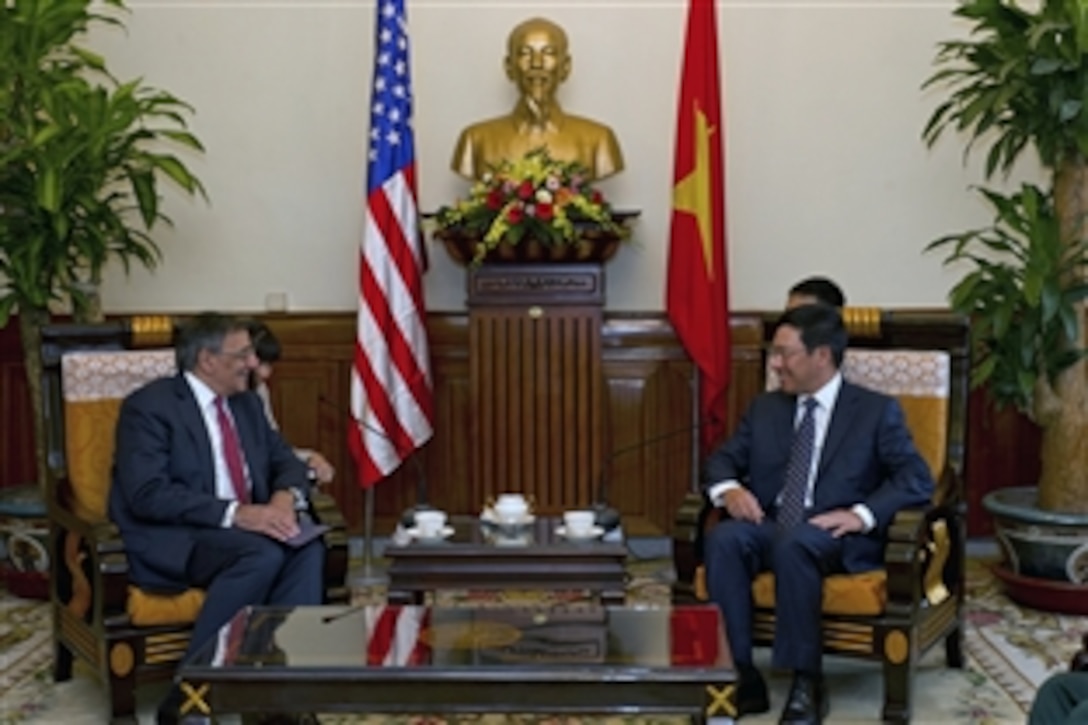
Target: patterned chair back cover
point(94, 383)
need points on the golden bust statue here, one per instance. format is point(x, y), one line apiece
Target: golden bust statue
point(537, 61)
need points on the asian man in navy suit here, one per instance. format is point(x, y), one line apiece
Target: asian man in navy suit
point(192, 514)
point(860, 468)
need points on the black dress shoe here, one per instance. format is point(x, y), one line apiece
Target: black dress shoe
point(167, 713)
point(807, 703)
point(751, 692)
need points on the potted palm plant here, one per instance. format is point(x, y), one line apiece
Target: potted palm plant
point(1019, 85)
point(81, 154)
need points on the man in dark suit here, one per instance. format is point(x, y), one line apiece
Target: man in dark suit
point(810, 481)
point(205, 492)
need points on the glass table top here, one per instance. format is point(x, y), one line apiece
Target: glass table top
point(329, 638)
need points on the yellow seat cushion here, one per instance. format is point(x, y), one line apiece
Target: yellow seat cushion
point(861, 594)
point(146, 609)
point(857, 594)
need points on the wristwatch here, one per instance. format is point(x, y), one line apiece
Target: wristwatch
point(301, 504)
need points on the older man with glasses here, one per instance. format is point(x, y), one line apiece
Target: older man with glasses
point(205, 491)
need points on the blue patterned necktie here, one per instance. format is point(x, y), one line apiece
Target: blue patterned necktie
point(792, 507)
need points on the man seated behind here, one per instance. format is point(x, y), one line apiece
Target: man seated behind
point(205, 491)
point(815, 290)
point(813, 476)
point(537, 61)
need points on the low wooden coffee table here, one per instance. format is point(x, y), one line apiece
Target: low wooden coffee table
point(583, 659)
point(470, 559)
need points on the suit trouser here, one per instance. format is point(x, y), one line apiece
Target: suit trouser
point(800, 558)
point(239, 568)
point(1061, 700)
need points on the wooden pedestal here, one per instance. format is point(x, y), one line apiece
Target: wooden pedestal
point(536, 382)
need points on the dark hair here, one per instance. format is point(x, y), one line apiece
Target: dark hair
point(823, 289)
point(819, 325)
point(266, 346)
point(206, 331)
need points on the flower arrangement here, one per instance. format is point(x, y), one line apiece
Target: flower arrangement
point(534, 198)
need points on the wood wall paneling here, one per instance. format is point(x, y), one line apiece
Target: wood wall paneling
point(648, 392)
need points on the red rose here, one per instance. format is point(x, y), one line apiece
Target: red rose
point(494, 200)
point(526, 190)
point(544, 212)
point(596, 197)
point(514, 214)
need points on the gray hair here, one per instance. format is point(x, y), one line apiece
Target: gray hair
point(206, 331)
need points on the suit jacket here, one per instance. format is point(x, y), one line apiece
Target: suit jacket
point(164, 475)
point(868, 457)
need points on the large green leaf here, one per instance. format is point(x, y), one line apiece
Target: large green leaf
point(1022, 293)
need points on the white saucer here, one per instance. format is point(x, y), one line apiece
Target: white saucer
point(444, 533)
point(594, 532)
point(488, 516)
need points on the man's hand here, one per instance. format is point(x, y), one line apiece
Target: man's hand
point(275, 519)
point(321, 467)
point(839, 522)
point(742, 505)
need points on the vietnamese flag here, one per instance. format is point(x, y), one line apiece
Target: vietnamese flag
point(697, 298)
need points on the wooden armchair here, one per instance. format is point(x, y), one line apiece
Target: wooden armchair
point(127, 636)
point(895, 614)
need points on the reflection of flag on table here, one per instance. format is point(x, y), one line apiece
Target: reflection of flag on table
point(394, 636)
point(697, 298)
point(697, 635)
point(391, 380)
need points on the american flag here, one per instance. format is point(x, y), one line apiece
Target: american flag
point(394, 636)
point(391, 402)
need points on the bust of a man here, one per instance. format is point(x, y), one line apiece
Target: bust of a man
point(537, 61)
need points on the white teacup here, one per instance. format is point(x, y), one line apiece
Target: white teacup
point(579, 523)
point(511, 508)
point(429, 524)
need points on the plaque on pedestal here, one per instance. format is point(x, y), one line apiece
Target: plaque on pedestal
point(556, 284)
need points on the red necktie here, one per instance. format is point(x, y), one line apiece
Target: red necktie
point(235, 631)
point(232, 452)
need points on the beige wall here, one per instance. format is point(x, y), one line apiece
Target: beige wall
point(826, 171)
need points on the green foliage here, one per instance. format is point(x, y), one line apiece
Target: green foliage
point(1022, 294)
point(1022, 79)
point(81, 154)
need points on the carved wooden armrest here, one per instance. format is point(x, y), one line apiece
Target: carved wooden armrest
point(919, 556)
point(93, 570)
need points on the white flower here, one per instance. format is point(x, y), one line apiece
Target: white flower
point(543, 196)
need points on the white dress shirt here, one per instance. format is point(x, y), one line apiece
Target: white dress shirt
point(825, 397)
point(224, 489)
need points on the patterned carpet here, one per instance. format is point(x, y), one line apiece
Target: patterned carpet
point(1011, 650)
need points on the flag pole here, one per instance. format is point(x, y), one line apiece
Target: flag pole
point(370, 575)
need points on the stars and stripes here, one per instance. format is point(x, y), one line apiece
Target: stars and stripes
point(394, 636)
point(391, 384)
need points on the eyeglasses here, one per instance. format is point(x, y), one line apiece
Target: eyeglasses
point(785, 353)
point(244, 354)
